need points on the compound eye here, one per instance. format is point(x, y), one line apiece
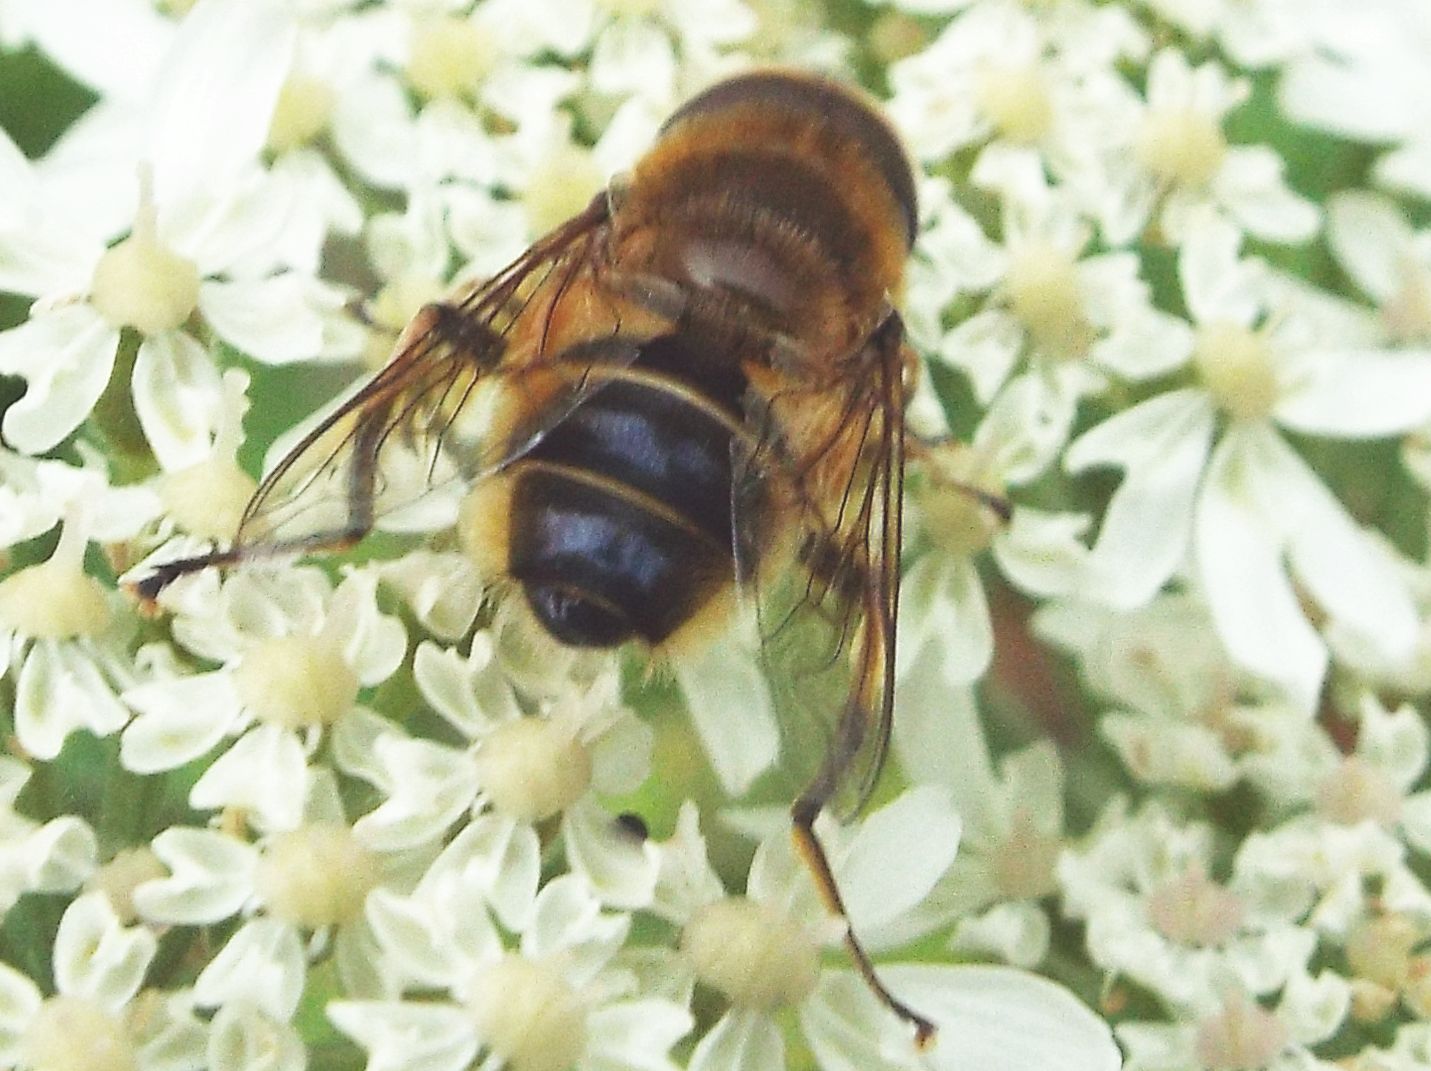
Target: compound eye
point(576, 619)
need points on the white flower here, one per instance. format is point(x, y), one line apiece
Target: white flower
point(531, 757)
point(1367, 80)
point(312, 879)
point(1012, 822)
point(1389, 261)
point(1184, 715)
point(953, 518)
point(1173, 161)
point(759, 950)
point(1242, 1033)
point(295, 654)
point(559, 1000)
point(203, 240)
point(1037, 92)
point(63, 645)
point(97, 1017)
point(48, 857)
point(1077, 321)
point(1249, 504)
point(1157, 913)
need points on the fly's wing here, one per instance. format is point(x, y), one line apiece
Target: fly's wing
point(826, 585)
point(474, 383)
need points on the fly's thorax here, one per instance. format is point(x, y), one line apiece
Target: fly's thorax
point(775, 200)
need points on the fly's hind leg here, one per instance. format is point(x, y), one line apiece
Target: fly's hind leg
point(812, 853)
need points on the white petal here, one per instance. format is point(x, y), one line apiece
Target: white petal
point(211, 876)
point(1253, 604)
point(741, 1041)
point(98, 957)
point(569, 921)
point(178, 397)
point(242, 1037)
point(621, 867)
point(415, 942)
point(262, 964)
point(1355, 583)
point(1359, 394)
point(1216, 284)
point(178, 721)
point(944, 614)
point(1001, 1019)
point(1407, 168)
point(635, 1034)
point(408, 1037)
point(729, 700)
point(66, 357)
point(20, 1001)
point(1313, 1009)
point(269, 319)
point(897, 855)
point(60, 855)
point(1251, 188)
point(1043, 553)
point(216, 92)
point(1016, 932)
point(939, 737)
point(985, 346)
point(504, 858)
point(1162, 445)
point(265, 773)
point(1369, 237)
point(60, 690)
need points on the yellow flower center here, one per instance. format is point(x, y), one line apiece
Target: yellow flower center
point(1236, 365)
point(1044, 293)
point(529, 1015)
point(449, 57)
point(142, 284)
point(317, 875)
point(296, 681)
point(533, 768)
point(76, 1034)
point(304, 107)
point(1016, 101)
point(1181, 147)
point(755, 956)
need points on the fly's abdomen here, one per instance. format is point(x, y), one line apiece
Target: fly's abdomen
point(621, 515)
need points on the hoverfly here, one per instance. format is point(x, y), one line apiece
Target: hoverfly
point(694, 386)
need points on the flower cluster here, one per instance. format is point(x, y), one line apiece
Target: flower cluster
point(1159, 792)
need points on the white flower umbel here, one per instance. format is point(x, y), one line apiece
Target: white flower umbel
point(1238, 1032)
point(96, 1018)
point(559, 1001)
point(1207, 471)
point(294, 655)
point(531, 759)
